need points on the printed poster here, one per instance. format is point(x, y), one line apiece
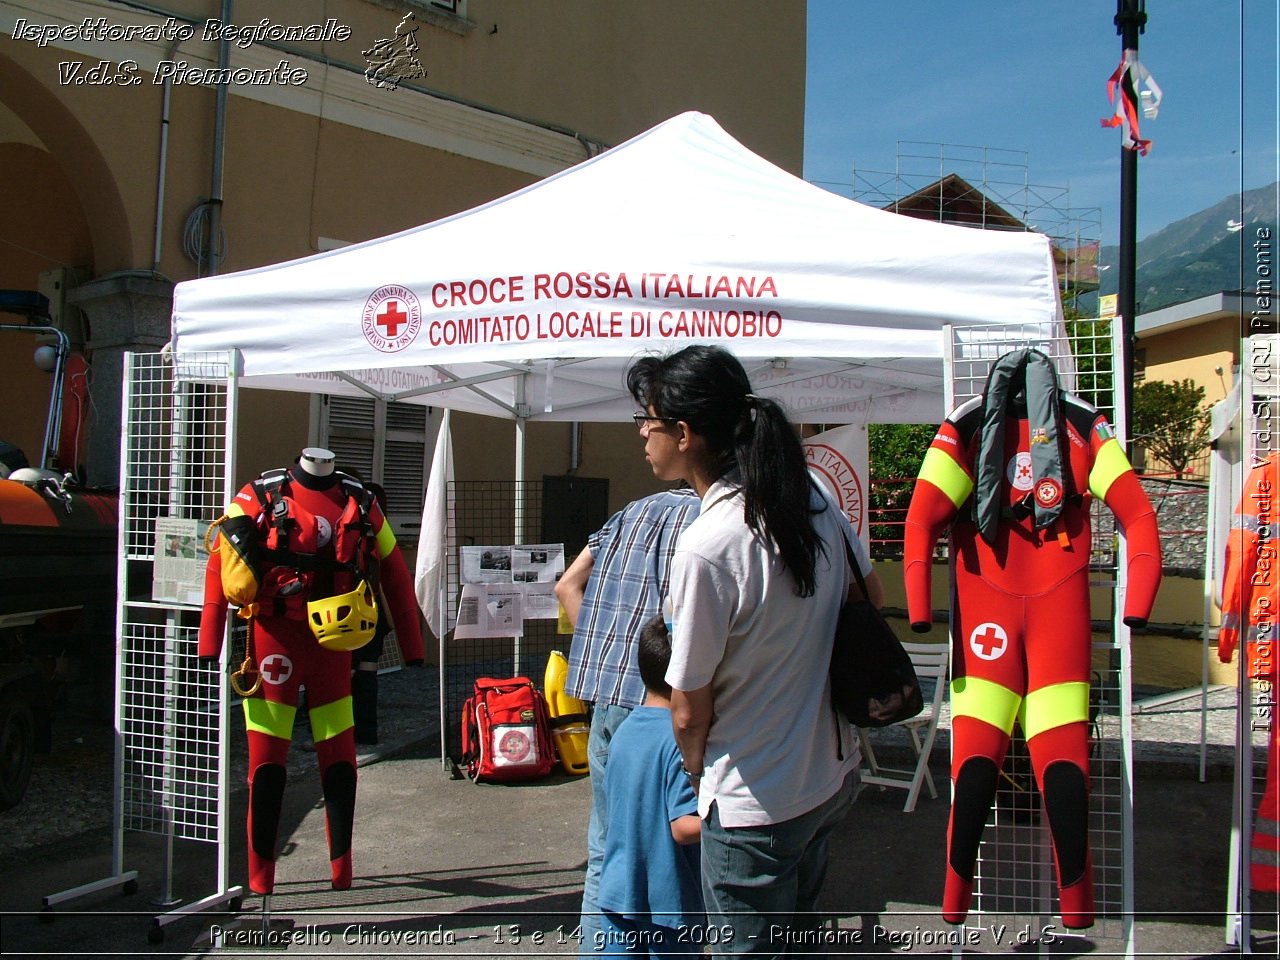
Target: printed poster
point(490, 610)
point(180, 561)
point(528, 569)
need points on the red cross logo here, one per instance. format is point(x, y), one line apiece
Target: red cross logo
point(988, 641)
point(1019, 471)
point(391, 318)
point(1048, 492)
point(514, 746)
point(276, 669)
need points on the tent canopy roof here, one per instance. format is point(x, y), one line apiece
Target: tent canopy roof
point(533, 304)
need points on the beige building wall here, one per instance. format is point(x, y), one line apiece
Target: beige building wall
point(1204, 349)
point(1196, 353)
point(516, 91)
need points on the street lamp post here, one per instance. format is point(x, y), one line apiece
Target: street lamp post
point(1130, 21)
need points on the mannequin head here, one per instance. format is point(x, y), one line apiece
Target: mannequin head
point(316, 461)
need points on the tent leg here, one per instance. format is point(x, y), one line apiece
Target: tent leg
point(521, 425)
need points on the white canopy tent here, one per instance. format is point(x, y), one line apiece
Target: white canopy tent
point(532, 305)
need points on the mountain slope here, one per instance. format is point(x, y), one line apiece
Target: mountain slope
point(1197, 255)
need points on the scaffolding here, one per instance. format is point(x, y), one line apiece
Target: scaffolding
point(988, 188)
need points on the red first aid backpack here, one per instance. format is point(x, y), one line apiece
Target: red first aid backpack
point(506, 731)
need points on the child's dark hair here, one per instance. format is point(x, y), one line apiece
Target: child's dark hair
point(654, 655)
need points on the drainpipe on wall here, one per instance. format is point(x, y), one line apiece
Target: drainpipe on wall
point(219, 139)
point(164, 162)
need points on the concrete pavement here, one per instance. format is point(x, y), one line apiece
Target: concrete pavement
point(445, 867)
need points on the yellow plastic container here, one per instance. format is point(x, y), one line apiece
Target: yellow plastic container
point(570, 725)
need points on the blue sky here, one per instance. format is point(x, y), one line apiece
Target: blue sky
point(1030, 78)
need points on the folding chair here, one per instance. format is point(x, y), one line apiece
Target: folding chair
point(930, 661)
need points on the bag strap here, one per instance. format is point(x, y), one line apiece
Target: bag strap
point(853, 563)
point(268, 483)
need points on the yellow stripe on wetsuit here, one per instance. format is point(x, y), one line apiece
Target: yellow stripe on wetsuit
point(1108, 466)
point(269, 717)
point(276, 719)
point(386, 539)
point(1045, 709)
point(941, 469)
point(1054, 706)
point(330, 719)
point(985, 700)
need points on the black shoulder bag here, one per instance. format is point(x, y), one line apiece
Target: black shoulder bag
point(872, 680)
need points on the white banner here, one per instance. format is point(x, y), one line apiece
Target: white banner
point(841, 459)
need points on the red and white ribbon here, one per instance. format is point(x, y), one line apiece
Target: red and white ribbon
point(1144, 88)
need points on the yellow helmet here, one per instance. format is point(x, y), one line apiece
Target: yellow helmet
point(344, 622)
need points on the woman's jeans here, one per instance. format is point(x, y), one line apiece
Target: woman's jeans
point(761, 884)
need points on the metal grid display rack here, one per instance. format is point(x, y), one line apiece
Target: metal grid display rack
point(171, 708)
point(489, 512)
point(1015, 880)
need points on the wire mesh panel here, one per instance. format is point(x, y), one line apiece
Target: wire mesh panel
point(170, 704)
point(168, 723)
point(1015, 877)
point(490, 513)
point(148, 438)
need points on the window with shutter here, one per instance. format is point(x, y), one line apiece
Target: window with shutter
point(387, 444)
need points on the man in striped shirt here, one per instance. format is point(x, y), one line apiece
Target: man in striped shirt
point(609, 592)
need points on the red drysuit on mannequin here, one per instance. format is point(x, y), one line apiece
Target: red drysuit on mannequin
point(1020, 607)
point(1250, 605)
point(287, 656)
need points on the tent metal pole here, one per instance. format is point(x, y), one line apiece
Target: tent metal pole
point(522, 414)
point(521, 426)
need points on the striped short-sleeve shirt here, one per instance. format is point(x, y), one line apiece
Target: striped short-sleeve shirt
point(630, 574)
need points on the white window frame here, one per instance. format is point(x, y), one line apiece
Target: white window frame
point(448, 15)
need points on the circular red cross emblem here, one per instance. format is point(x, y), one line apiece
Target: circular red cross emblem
point(1048, 492)
point(1019, 471)
point(392, 318)
point(276, 669)
point(514, 746)
point(988, 641)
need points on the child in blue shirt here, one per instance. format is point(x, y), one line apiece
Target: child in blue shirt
point(650, 881)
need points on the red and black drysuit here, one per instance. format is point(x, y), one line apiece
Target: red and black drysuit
point(1012, 472)
point(337, 534)
point(1250, 607)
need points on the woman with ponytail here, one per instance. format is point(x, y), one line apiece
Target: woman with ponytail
point(756, 586)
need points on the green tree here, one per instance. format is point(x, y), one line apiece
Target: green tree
point(1091, 348)
point(1170, 421)
point(897, 450)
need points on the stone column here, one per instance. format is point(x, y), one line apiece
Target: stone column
point(126, 311)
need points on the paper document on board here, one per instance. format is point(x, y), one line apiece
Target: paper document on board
point(490, 610)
